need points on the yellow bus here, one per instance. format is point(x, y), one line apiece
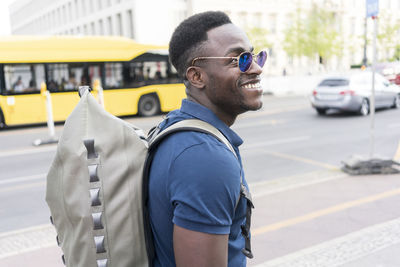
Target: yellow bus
point(136, 78)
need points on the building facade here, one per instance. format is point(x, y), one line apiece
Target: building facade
point(153, 21)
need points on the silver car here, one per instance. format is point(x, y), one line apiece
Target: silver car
point(353, 93)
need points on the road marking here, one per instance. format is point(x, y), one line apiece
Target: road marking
point(301, 159)
point(23, 186)
point(26, 240)
point(26, 151)
point(23, 179)
point(264, 188)
point(275, 142)
point(397, 155)
point(323, 212)
point(344, 249)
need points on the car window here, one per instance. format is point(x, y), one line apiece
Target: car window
point(334, 82)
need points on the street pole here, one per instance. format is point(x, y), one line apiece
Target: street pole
point(372, 104)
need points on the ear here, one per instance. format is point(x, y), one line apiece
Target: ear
point(196, 76)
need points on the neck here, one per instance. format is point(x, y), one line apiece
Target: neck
point(228, 119)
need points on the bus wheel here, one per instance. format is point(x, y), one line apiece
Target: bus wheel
point(149, 105)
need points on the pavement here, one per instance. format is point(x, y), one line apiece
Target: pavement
point(322, 218)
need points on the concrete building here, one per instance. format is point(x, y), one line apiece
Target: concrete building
point(149, 21)
point(152, 21)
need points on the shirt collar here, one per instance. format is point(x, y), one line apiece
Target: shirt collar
point(202, 113)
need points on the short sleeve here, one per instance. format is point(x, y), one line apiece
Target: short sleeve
point(204, 187)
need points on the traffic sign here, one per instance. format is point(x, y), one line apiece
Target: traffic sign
point(372, 8)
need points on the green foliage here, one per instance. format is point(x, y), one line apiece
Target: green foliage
point(396, 56)
point(258, 38)
point(295, 39)
point(313, 36)
point(388, 37)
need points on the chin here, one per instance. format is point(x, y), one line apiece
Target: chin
point(252, 106)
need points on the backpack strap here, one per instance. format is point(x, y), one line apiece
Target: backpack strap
point(191, 125)
point(156, 137)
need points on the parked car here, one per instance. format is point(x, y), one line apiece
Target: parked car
point(353, 92)
point(390, 70)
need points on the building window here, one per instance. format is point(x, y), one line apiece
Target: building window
point(70, 11)
point(76, 9)
point(64, 14)
point(119, 24)
point(83, 7)
point(109, 26)
point(99, 4)
point(130, 24)
point(93, 28)
point(101, 27)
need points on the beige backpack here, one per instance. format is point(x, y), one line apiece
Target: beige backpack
point(96, 189)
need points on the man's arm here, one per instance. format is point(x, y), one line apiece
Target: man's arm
point(196, 249)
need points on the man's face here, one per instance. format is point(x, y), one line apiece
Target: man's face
point(230, 90)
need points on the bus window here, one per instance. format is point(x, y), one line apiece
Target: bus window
point(67, 77)
point(94, 73)
point(113, 75)
point(23, 78)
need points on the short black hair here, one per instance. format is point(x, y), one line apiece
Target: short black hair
point(189, 36)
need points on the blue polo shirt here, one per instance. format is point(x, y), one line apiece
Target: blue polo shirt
point(195, 184)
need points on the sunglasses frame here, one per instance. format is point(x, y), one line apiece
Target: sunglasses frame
point(253, 58)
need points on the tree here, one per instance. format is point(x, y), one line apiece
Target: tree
point(321, 36)
point(294, 43)
point(388, 37)
point(313, 36)
point(258, 38)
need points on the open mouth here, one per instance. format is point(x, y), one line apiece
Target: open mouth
point(256, 85)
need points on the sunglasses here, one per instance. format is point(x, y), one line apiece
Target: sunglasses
point(244, 60)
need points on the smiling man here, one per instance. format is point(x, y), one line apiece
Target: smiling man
point(199, 203)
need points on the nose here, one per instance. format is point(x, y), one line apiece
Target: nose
point(255, 68)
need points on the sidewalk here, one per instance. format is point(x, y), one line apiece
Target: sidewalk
point(321, 219)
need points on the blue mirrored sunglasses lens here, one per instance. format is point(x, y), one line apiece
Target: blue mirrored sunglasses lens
point(261, 58)
point(245, 61)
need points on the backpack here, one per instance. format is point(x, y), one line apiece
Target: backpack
point(97, 186)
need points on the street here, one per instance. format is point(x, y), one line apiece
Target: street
point(307, 212)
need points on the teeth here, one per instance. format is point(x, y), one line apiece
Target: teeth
point(251, 85)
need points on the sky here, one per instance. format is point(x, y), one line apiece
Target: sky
point(4, 17)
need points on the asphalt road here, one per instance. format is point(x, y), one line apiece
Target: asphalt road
point(286, 143)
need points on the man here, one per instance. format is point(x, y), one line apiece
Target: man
point(196, 211)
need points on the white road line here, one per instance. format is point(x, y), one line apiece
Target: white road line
point(275, 142)
point(23, 179)
point(26, 151)
point(344, 249)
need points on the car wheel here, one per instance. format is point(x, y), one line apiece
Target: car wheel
point(148, 105)
point(396, 103)
point(321, 111)
point(364, 109)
